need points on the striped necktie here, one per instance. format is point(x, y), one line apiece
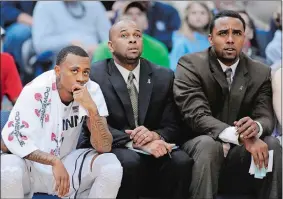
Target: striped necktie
point(228, 74)
point(133, 93)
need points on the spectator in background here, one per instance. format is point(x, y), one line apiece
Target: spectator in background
point(153, 50)
point(250, 47)
point(116, 9)
point(58, 24)
point(273, 50)
point(261, 12)
point(108, 4)
point(16, 18)
point(192, 37)
point(163, 20)
point(10, 80)
point(220, 5)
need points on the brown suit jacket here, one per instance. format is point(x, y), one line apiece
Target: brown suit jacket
point(203, 98)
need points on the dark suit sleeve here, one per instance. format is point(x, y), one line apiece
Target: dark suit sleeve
point(120, 138)
point(170, 122)
point(263, 110)
point(192, 102)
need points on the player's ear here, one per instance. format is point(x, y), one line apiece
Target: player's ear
point(57, 70)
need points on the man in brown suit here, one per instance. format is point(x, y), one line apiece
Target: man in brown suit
point(225, 99)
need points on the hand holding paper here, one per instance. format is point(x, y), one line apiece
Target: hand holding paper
point(260, 173)
point(259, 151)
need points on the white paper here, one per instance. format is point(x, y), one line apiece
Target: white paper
point(139, 151)
point(146, 153)
point(270, 161)
point(270, 164)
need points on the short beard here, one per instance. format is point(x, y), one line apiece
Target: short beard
point(224, 60)
point(58, 83)
point(60, 86)
point(228, 61)
point(125, 60)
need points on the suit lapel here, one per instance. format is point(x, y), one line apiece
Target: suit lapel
point(145, 90)
point(238, 89)
point(120, 87)
point(217, 72)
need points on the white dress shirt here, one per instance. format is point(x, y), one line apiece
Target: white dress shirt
point(125, 73)
point(229, 134)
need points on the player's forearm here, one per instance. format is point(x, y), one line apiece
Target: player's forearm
point(101, 139)
point(42, 157)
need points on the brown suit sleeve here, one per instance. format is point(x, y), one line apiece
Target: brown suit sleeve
point(262, 110)
point(192, 102)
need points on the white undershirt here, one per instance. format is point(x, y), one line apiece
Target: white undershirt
point(125, 73)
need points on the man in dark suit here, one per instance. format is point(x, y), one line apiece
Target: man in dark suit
point(225, 99)
point(143, 116)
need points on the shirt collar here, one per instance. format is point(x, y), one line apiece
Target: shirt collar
point(125, 72)
point(233, 66)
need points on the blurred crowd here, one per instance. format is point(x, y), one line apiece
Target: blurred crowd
point(33, 32)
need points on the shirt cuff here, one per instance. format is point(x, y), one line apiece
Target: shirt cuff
point(260, 130)
point(129, 145)
point(229, 135)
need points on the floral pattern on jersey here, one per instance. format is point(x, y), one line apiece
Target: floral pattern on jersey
point(44, 101)
point(56, 150)
point(17, 124)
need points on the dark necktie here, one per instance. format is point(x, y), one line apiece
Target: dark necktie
point(228, 74)
point(132, 90)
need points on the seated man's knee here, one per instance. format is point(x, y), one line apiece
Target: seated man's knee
point(12, 169)
point(272, 143)
point(208, 147)
point(108, 166)
point(130, 160)
point(181, 161)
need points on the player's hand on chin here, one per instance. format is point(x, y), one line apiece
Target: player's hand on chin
point(82, 96)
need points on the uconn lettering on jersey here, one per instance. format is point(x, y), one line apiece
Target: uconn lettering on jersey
point(72, 122)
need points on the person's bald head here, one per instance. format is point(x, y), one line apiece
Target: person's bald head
point(123, 22)
point(125, 40)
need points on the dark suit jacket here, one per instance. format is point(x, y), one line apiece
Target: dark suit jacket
point(202, 95)
point(157, 110)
